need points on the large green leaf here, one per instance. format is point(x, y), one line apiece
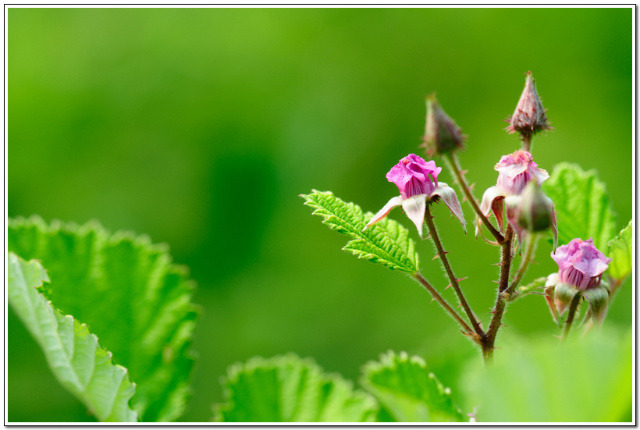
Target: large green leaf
point(386, 242)
point(620, 252)
point(540, 379)
point(132, 297)
point(74, 355)
point(582, 205)
point(290, 389)
point(407, 391)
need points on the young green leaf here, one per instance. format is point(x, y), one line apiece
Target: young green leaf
point(407, 391)
point(74, 355)
point(620, 252)
point(290, 389)
point(538, 379)
point(386, 242)
point(130, 294)
point(582, 205)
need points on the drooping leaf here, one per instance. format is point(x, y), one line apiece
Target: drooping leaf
point(539, 379)
point(386, 242)
point(407, 391)
point(620, 252)
point(582, 205)
point(130, 294)
point(290, 389)
point(74, 355)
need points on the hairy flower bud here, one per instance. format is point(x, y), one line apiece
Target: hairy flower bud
point(529, 116)
point(516, 170)
point(536, 211)
point(580, 264)
point(413, 176)
point(442, 135)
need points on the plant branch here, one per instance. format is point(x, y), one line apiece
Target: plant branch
point(462, 182)
point(572, 313)
point(443, 302)
point(498, 310)
point(452, 278)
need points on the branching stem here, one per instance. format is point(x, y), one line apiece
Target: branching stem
point(462, 182)
point(443, 303)
point(433, 232)
point(498, 310)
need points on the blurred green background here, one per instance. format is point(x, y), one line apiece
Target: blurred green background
point(200, 127)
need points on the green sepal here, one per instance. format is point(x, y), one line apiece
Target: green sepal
point(562, 296)
point(598, 299)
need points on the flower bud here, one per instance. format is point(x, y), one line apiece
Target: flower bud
point(442, 135)
point(529, 116)
point(580, 264)
point(536, 212)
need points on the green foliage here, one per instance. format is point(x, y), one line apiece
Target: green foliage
point(582, 205)
point(620, 252)
point(289, 389)
point(386, 242)
point(130, 294)
point(74, 355)
point(583, 379)
point(407, 391)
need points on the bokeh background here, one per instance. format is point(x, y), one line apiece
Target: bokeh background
point(200, 127)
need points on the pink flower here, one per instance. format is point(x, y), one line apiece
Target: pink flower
point(580, 264)
point(529, 116)
point(417, 181)
point(412, 175)
point(516, 170)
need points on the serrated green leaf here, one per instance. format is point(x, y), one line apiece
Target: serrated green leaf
point(539, 379)
point(290, 389)
point(74, 355)
point(620, 252)
point(407, 391)
point(386, 242)
point(582, 205)
point(130, 294)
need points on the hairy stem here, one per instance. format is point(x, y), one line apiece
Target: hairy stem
point(529, 252)
point(526, 142)
point(447, 267)
point(571, 315)
point(498, 310)
point(443, 303)
point(462, 182)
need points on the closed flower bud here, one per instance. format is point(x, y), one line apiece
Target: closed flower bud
point(536, 211)
point(442, 135)
point(529, 116)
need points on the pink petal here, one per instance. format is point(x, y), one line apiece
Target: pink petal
point(396, 201)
